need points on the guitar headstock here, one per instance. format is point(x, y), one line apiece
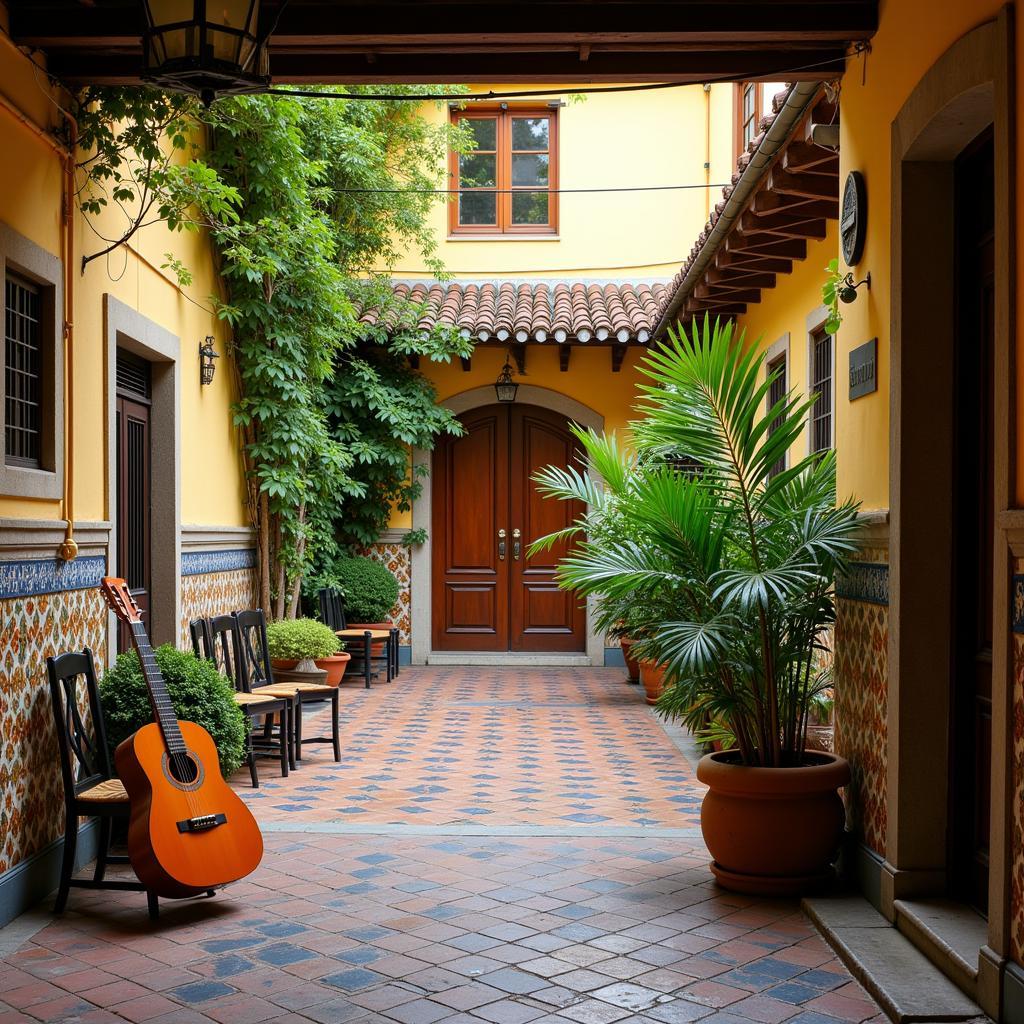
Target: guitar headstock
point(116, 593)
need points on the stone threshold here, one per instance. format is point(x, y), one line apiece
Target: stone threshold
point(901, 979)
point(509, 659)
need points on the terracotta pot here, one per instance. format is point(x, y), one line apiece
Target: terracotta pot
point(283, 664)
point(652, 675)
point(773, 831)
point(632, 664)
point(334, 666)
point(377, 649)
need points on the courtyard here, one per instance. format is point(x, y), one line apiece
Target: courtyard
point(503, 845)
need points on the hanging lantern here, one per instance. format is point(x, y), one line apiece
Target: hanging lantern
point(505, 387)
point(207, 367)
point(206, 47)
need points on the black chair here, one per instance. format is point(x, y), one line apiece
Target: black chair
point(216, 641)
point(90, 787)
point(360, 642)
point(258, 677)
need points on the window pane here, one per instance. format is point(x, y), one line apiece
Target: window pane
point(22, 373)
point(530, 132)
point(484, 131)
point(478, 208)
point(748, 101)
point(530, 208)
point(478, 170)
point(529, 169)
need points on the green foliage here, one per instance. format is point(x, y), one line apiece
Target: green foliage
point(368, 588)
point(295, 639)
point(830, 295)
point(197, 690)
point(724, 574)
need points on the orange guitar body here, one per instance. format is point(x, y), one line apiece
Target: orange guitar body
point(170, 858)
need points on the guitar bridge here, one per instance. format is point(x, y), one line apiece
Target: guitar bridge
point(202, 823)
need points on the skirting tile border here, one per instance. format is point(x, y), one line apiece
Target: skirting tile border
point(37, 876)
point(201, 563)
point(1017, 612)
point(614, 658)
point(30, 577)
point(1013, 994)
point(865, 581)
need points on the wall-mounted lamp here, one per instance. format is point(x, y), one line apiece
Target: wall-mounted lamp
point(847, 290)
point(207, 354)
point(505, 387)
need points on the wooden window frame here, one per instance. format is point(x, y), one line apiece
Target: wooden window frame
point(27, 335)
point(503, 183)
point(773, 363)
point(739, 144)
point(816, 334)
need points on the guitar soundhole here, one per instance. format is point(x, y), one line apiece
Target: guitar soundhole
point(183, 770)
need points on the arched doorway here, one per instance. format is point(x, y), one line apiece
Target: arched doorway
point(489, 592)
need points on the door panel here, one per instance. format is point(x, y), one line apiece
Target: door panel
point(133, 511)
point(544, 618)
point(470, 578)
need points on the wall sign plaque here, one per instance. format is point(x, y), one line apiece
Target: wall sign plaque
point(864, 369)
point(854, 218)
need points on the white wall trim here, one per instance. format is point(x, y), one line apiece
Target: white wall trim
point(195, 536)
point(422, 564)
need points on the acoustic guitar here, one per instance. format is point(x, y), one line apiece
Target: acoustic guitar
point(188, 831)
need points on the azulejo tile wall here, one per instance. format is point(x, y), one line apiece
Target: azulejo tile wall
point(399, 561)
point(1017, 801)
point(862, 676)
point(34, 625)
point(230, 586)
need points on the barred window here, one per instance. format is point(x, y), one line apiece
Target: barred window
point(776, 392)
point(23, 373)
point(821, 388)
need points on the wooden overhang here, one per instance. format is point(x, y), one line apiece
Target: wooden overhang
point(795, 195)
point(416, 41)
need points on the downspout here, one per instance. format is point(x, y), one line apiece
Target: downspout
point(707, 151)
point(799, 98)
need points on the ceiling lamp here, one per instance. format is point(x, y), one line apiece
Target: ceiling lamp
point(505, 387)
point(209, 48)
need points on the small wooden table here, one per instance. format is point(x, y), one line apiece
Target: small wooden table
point(389, 637)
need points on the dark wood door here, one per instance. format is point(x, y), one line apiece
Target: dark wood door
point(133, 505)
point(971, 703)
point(488, 593)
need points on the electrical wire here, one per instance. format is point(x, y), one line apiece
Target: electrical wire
point(540, 190)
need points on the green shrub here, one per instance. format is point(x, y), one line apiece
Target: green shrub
point(198, 692)
point(295, 639)
point(369, 589)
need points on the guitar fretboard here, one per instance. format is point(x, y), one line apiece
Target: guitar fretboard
point(163, 709)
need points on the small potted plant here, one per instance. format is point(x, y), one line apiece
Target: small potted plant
point(292, 641)
point(369, 591)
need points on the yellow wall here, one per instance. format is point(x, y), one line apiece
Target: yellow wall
point(212, 490)
point(632, 139)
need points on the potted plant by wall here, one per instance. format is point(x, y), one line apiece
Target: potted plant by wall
point(293, 640)
point(739, 559)
point(369, 591)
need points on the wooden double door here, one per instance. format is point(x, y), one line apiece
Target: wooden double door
point(489, 594)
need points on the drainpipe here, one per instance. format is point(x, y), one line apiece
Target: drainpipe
point(707, 151)
point(799, 98)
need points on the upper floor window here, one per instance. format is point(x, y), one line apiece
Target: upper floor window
point(23, 373)
point(776, 392)
point(749, 104)
point(506, 184)
point(821, 388)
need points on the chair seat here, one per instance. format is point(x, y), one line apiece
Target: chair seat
point(251, 699)
point(109, 791)
point(359, 634)
point(286, 689)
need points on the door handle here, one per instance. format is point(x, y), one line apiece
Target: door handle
point(501, 545)
point(515, 544)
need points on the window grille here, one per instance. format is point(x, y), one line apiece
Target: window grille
point(821, 388)
point(23, 371)
point(776, 392)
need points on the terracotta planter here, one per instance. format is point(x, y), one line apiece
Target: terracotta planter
point(377, 649)
point(334, 666)
point(283, 664)
point(652, 675)
point(773, 831)
point(632, 664)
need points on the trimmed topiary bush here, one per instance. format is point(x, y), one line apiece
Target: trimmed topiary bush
point(198, 692)
point(295, 639)
point(369, 589)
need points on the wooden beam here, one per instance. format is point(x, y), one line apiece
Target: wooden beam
point(802, 156)
point(694, 308)
point(564, 354)
point(782, 225)
point(731, 278)
point(806, 186)
point(618, 355)
point(769, 202)
point(519, 358)
point(752, 261)
point(767, 245)
point(711, 294)
point(802, 208)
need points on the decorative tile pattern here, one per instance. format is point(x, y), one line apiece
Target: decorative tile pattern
point(197, 563)
point(49, 575)
point(1017, 611)
point(214, 593)
point(31, 794)
point(1017, 799)
point(865, 581)
point(398, 560)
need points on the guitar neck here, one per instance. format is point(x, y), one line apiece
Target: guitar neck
point(163, 709)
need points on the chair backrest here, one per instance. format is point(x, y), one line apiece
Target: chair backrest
point(224, 649)
point(202, 646)
point(332, 609)
point(84, 758)
point(253, 653)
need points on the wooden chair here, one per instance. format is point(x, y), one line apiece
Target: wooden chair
point(359, 642)
point(90, 787)
point(254, 662)
point(216, 641)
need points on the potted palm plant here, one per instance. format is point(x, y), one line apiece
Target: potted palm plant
point(730, 556)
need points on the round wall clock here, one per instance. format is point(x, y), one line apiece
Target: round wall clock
point(854, 218)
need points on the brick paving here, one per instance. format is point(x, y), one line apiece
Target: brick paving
point(434, 916)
